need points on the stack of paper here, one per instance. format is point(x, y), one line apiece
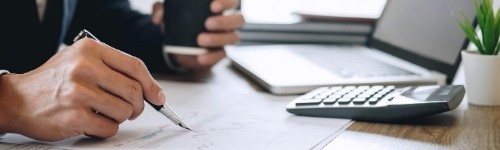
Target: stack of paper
point(309, 21)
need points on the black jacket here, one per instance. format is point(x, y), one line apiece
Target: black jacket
point(27, 43)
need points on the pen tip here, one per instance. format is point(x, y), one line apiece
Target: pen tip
point(185, 126)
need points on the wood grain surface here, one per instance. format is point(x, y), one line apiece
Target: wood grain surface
point(467, 127)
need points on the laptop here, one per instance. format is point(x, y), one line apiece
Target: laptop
point(415, 42)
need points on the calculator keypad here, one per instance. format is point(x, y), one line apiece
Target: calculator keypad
point(347, 95)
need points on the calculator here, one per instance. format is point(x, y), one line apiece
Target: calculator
point(380, 103)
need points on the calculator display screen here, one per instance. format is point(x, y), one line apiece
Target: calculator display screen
point(428, 93)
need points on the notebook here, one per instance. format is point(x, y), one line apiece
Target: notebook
point(278, 21)
point(414, 43)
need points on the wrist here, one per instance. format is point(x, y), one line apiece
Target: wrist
point(6, 118)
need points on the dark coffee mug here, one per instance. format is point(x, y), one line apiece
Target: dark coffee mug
point(184, 20)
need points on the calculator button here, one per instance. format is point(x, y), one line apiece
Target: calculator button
point(344, 100)
point(349, 96)
point(355, 92)
point(364, 95)
point(335, 96)
point(385, 90)
point(329, 101)
point(342, 92)
point(370, 92)
point(363, 87)
point(308, 102)
point(359, 100)
point(390, 87)
point(328, 92)
point(373, 100)
point(378, 95)
point(322, 96)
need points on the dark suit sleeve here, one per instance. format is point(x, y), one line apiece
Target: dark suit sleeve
point(115, 23)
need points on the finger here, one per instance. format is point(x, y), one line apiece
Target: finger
point(218, 6)
point(217, 39)
point(135, 68)
point(127, 65)
point(109, 105)
point(211, 58)
point(89, 95)
point(157, 13)
point(99, 126)
point(230, 22)
point(127, 89)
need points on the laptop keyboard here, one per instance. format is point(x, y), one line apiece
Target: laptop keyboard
point(346, 62)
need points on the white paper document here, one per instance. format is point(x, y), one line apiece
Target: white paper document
point(234, 121)
point(347, 9)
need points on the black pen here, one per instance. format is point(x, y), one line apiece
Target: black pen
point(163, 109)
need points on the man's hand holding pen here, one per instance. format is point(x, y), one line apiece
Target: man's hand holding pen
point(64, 94)
point(59, 99)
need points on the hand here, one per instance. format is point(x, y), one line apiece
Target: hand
point(87, 88)
point(221, 32)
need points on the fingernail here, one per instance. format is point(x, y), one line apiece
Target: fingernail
point(161, 97)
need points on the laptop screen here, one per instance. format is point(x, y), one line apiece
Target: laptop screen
point(424, 32)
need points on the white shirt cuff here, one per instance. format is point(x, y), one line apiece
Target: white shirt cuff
point(2, 72)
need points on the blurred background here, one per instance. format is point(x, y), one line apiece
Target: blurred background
point(303, 21)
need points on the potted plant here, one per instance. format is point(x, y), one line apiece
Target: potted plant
point(482, 66)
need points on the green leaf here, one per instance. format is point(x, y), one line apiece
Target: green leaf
point(497, 32)
point(488, 35)
point(497, 24)
point(469, 31)
point(479, 14)
point(489, 39)
point(486, 6)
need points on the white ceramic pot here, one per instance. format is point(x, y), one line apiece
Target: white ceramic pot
point(482, 78)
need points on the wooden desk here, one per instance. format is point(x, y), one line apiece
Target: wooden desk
point(466, 127)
